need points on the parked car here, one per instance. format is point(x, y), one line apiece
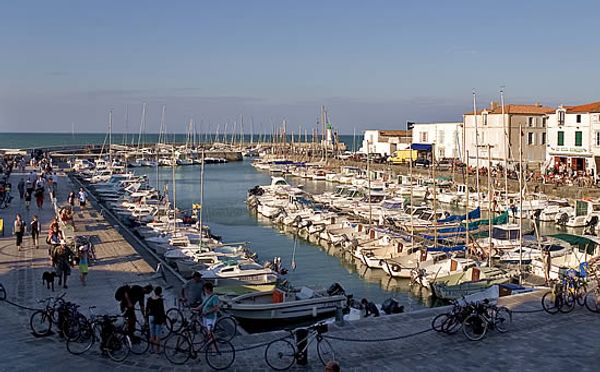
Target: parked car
point(422, 162)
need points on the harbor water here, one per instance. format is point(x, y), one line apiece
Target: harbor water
point(225, 211)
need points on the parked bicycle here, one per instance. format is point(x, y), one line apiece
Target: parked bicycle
point(104, 329)
point(560, 299)
point(281, 354)
point(451, 322)
point(181, 316)
point(484, 317)
point(194, 338)
point(41, 321)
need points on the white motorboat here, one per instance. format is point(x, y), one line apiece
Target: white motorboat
point(285, 306)
point(247, 272)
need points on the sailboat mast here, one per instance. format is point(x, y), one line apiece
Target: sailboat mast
point(201, 197)
point(520, 200)
point(126, 124)
point(490, 214)
point(476, 146)
point(174, 190)
point(110, 137)
point(506, 147)
point(435, 230)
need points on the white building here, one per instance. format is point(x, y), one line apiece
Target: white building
point(574, 138)
point(504, 133)
point(447, 138)
point(385, 142)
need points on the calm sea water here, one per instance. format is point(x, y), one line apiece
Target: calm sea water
point(225, 211)
point(33, 140)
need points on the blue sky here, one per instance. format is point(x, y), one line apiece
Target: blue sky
point(375, 64)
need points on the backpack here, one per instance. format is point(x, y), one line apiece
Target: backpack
point(120, 293)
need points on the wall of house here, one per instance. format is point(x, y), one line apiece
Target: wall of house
point(447, 138)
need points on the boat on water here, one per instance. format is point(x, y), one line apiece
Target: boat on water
point(287, 305)
point(248, 272)
point(470, 281)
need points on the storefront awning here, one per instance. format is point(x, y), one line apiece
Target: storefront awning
point(421, 146)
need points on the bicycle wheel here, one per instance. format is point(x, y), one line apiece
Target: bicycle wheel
point(474, 327)
point(325, 351)
point(40, 323)
point(502, 319)
point(592, 301)
point(438, 322)
point(166, 329)
point(176, 317)
point(551, 303)
point(567, 303)
point(139, 342)
point(82, 343)
point(451, 325)
point(225, 328)
point(178, 348)
point(71, 327)
point(280, 354)
point(580, 293)
point(117, 347)
point(220, 354)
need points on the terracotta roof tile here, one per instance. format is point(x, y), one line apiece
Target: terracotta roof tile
point(588, 107)
point(395, 133)
point(518, 109)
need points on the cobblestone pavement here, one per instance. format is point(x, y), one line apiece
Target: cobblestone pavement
point(536, 341)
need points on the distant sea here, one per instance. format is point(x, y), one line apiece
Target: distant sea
point(36, 140)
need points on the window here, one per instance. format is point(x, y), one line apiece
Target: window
point(544, 122)
point(561, 118)
point(530, 121)
point(578, 138)
point(561, 138)
point(485, 116)
point(440, 137)
point(423, 136)
point(578, 118)
point(530, 136)
point(543, 139)
point(597, 138)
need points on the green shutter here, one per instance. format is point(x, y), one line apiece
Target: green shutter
point(561, 138)
point(578, 139)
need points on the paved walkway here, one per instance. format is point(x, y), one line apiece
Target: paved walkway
point(536, 341)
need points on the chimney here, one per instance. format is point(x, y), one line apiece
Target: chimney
point(537, 104)
point(493, 105)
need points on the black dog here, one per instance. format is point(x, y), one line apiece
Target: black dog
point(48, 279)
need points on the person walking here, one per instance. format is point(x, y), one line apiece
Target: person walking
point(39, 193)
point(36, 229)
point(82, 195)
point(155, 318)
point(84, 261)
point(61, 259)
point(71, 199)
point(19, 230)
point(21, 188)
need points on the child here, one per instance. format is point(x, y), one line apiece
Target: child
point(155, 312)
point(84, 258)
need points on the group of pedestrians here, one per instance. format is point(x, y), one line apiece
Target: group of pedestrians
point(196, 294)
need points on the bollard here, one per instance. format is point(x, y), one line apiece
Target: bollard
point(339, 315)
point(301, 346)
